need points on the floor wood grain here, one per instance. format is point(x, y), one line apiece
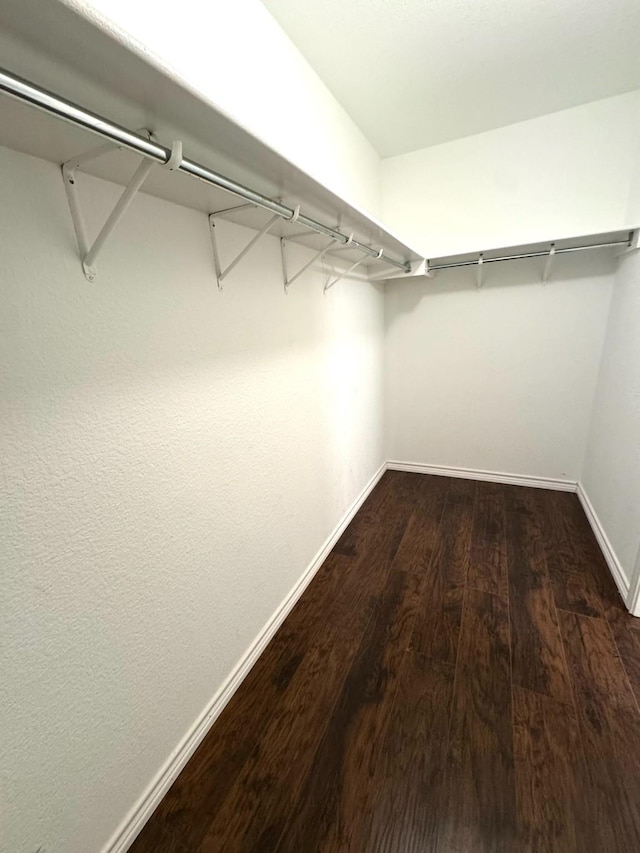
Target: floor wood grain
point(488, 558)
point(407, 810)
point(574, 583)
point(479, 786)
point(610, 732)
point(459, 676)
point(538, 660)
point(549, 769)
point(437, 627)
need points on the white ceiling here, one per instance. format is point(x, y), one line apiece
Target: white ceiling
point(413, 73)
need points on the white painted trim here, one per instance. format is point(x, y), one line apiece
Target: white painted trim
point(615, 566)
point(633, 601)
point(142, 810)
point(486, 476)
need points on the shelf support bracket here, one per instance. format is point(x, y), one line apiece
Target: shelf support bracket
point(548, 263)
point(317, 257)
point(348, 271)
point(221, 274)
point(633, 243)
point(479, 271)
point(89, 253)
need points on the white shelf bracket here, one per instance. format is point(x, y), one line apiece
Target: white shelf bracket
point(479, 271)
point(348, 271)
point(89, 253)
point(548, 263)
point(221, 274)
point(633, 243)
point(317, 257)
point(283, 256)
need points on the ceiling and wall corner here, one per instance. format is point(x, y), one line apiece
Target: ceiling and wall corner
point(413, 74)
point(556, 176)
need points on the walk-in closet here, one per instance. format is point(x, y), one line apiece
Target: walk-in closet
point(319, 426)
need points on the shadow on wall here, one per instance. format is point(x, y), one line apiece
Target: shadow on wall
point(154, 307)
point(496, 276)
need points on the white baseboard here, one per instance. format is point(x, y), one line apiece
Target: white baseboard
point(140, 813)
point(633, 601)
point(615, 567)
point(486, 476)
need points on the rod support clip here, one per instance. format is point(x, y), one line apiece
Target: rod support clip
point(175, 160)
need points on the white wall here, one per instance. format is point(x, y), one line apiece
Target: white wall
point(564, 174)
point(499, 379)
point(504, 379)
point(172, 460)
point(238, 57)
point(611, 475)
point(633, 205)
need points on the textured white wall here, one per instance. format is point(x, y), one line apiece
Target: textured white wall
point(564, 174)
point(239, 58)
point(611, 475)
point(172, 459)
point(499, 379)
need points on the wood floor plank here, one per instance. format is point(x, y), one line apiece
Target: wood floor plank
point(592, 559)
point(454, 541)
point(408, 804)
point(416, 551)
point(334, 809)
point(549, 767)
point(478, 803)
point(488, 557)
point(538, 658)
point(438, 626)
point(610, 732)
point(626, 633)
point(573, 578)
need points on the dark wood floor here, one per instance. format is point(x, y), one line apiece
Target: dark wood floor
point(460, 676)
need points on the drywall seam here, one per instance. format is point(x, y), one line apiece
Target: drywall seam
point(486, 476)
point(142, 810)
point(615, 566)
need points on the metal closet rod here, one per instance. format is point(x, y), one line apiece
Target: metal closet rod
point(53, 104)
point(543, 254)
